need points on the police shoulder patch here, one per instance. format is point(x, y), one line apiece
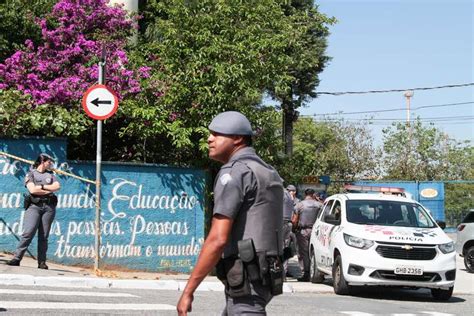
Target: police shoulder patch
point(225, 178)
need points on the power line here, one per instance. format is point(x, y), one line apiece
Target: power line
point(396, 90)
point(390, 110)
point(438, 118)
point(388, 123)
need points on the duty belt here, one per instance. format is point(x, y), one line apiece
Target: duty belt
point(47, 200)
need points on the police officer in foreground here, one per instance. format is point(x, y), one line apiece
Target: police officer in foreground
point(245, 240)
point(306, 212)
point(40, 207)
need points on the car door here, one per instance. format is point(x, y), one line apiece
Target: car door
point(321, 240)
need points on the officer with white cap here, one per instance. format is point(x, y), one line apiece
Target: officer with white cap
point(245, 239)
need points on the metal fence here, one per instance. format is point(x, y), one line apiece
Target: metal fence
point(454, 219)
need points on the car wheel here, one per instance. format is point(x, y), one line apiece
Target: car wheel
point(315, 275)
point(339, 282)
point(441, 294)
point(469, 259)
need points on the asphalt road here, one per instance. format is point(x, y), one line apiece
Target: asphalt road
point(34, 300)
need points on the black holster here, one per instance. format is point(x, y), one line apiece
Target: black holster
point(232, 273)
point(275, 275)
point(250, 258)
point(26, 200)
point(290, 251)
point(238, 272)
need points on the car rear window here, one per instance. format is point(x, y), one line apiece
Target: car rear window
point(469, 218)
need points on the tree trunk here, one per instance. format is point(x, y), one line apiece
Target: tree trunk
point(288, 118)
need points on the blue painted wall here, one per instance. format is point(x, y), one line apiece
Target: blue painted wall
point(429, 193)
point(152, 216)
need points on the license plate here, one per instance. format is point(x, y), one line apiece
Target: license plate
point(408, 270)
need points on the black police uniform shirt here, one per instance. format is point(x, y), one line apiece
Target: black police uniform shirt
point(40, 178)
point(235, 190)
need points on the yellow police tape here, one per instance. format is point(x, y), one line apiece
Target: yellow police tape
point(54, 170)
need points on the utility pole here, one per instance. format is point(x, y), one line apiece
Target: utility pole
point(98, 160)
point(408, 95)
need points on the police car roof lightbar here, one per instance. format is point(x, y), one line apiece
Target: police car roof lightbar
point(367, 189)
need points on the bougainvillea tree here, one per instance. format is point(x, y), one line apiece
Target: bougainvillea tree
point(60, 69)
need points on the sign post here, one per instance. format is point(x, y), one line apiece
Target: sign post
point(100, 103)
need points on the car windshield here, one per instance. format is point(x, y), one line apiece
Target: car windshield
point(388, 213)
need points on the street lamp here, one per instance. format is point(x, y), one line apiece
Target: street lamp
point(408, 95)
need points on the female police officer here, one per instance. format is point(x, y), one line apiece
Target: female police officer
point(248, 206)
point(41, 208)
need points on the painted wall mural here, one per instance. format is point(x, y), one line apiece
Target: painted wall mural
point(152, 217)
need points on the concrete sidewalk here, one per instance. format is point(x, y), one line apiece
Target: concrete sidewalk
point(69, 276)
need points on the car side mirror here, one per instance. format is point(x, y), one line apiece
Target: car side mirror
point(441, 224)
point(331, 219)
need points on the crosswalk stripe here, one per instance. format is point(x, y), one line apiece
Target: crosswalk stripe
point(403, 314)
point(437, 314)
point(84, 306)
point(356, 313)
point(64, 293)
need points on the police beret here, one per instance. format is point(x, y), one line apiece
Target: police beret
point(231, 123)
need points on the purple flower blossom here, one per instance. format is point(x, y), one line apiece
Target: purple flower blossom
point(60, 69)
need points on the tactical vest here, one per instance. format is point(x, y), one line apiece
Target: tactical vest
point(309, 212)
point(264, 219)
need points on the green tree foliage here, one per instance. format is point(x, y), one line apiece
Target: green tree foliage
point(342, 150)
point(17, 23)
point(306, 50)
point(212, 56)
point(18, 117)
point(459, 199)
point(424, 153)
point(419, 152)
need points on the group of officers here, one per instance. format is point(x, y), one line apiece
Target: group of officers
point(298, 220)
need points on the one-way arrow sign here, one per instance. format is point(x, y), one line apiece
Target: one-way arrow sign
point(100, 102)
point(96, 102)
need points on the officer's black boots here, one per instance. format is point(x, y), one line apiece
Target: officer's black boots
point(14, 262)
point(42, 265)
point(304, 278)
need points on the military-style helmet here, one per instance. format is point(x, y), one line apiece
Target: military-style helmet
point(291, 187)
point(231, 123)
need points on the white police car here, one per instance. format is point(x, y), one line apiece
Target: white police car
point(385, 240)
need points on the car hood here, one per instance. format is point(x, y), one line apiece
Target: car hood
point(397, 234)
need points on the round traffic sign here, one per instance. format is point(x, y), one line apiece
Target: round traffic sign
point(100, 102)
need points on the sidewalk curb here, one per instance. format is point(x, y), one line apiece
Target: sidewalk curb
point(103, 283)
point(170, 285)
